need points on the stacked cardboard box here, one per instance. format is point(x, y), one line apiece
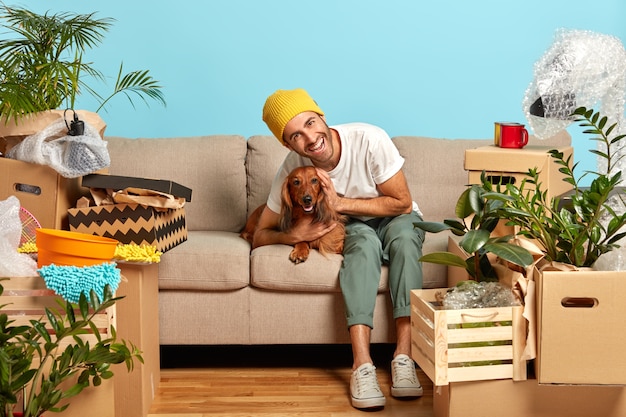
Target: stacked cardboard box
point(133, 223)
point(504, 166)
point(580, 337)
point(40, 189)
point(528, 398)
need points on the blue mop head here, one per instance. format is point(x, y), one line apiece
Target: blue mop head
point(70, 281)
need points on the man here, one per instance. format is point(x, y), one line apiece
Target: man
point(361, 172)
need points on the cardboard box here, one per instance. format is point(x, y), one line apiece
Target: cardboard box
point(26, 299)
point(116, 182)
point(506, 166)
point(132, 223)
point(497, 398)
point(580, 329)
point(41, 190)
point(138, 323)
point(467, 344)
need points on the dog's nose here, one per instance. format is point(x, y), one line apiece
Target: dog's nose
point(307, 199)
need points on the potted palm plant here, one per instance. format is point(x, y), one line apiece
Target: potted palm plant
point(43, 66)
point(38, 360)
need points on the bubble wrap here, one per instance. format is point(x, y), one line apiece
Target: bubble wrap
point(471, 294)
point(12, 263)
point(581, 68)
point(70, 156)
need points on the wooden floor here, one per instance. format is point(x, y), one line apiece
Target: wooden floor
point(272, 381)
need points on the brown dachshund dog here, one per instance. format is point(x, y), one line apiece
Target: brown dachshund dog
point(303, 200)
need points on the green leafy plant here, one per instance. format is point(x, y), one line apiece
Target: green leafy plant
point(33, 364)
point(478, 216)
point(43, 66)
point(589, 227)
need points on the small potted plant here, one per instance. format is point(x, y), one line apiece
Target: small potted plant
point(580, 232)
point(34, 365)
point(478, 216)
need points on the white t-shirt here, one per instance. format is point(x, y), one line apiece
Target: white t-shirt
point(368, 158)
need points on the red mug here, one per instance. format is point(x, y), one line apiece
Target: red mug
point(510, 135)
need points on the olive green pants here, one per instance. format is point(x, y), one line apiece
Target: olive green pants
point(389, 240)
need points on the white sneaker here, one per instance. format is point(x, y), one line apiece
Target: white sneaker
point(364, 389)
point(404, 379)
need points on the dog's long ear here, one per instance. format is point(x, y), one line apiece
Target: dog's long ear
point(325, 213)
point(286, 206)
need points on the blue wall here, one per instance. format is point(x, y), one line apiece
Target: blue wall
point(445, 68)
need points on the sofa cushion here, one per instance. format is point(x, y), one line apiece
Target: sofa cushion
point(270, 268)
point(265, 155)
point(207, 261)
point(212, 166)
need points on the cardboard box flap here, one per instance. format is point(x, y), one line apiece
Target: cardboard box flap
point(493, 158)
point(117, 182)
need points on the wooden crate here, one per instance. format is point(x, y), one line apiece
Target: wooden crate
point(468, 344)
point(25, 299)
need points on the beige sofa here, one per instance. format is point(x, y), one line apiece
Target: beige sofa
point(214, 291)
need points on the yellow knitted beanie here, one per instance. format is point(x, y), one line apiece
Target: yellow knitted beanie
point(284, 105)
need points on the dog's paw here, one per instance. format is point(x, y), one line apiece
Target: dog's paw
point(299, 254)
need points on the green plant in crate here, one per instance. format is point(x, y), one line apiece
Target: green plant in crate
point(43, 66)
point(577, 234)
point(478, 216)
point(33, 365)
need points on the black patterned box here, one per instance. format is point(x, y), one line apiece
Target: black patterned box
point(132, 223)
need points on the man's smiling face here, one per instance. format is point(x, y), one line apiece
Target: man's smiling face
point(308, 135)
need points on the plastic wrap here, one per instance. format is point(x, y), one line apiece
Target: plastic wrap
point(12, 263)
point(70, 156)
point(581, 68)
point(472, 294)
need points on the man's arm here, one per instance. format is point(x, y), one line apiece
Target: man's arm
point(268, 232)
point(395, 199)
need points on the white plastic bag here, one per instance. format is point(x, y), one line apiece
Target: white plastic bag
point(12, 263)
point(70, 156)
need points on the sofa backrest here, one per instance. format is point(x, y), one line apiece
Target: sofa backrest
point(212, 166)
point(435, 171)
point(231, 176)
point(265, 155)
